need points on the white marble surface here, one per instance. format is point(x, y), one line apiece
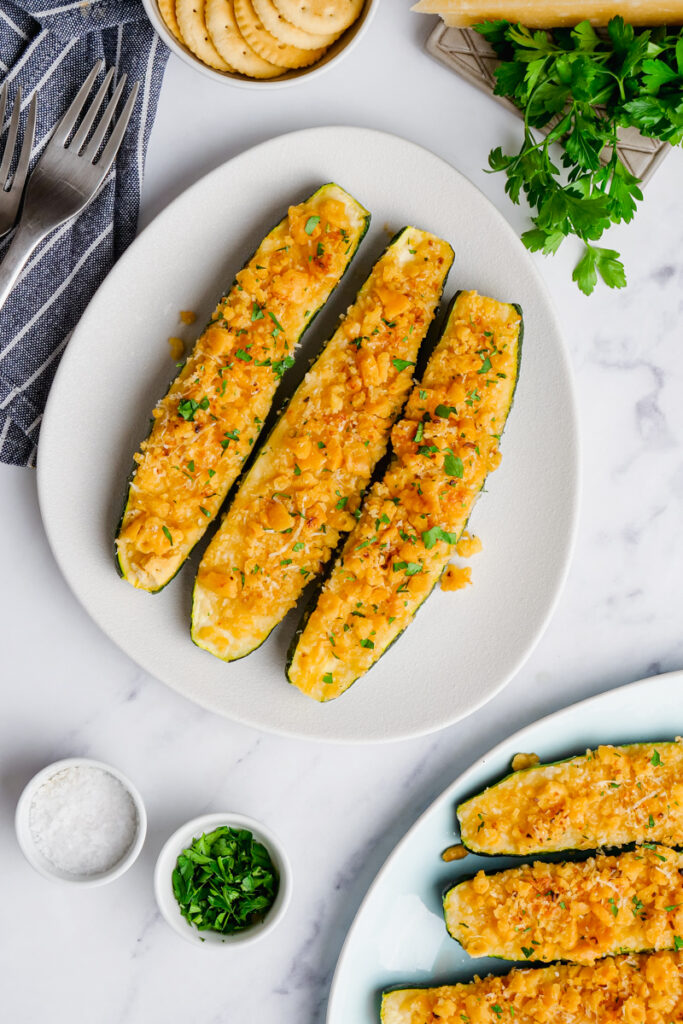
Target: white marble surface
point(104, 956)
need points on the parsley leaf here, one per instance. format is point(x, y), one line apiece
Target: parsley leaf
point(581, 89)
point(430, 537)
point(452, 465)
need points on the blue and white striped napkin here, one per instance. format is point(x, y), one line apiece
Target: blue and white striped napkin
point(51, 49)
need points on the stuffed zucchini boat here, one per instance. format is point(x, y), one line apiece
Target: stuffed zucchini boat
point(443, 448)
point(611, 796)
point(300, 495)
point(206, 425)
point(646, 989)
point(578, 911)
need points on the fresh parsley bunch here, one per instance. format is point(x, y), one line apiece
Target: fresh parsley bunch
point(225, 880)
point(586, 87)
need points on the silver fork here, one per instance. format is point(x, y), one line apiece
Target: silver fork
point(67, 177)
point(11, 197)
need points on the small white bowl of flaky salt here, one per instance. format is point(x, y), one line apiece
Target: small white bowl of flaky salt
point(80, 821)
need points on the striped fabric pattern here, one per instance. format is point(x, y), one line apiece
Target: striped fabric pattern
point(50, 49)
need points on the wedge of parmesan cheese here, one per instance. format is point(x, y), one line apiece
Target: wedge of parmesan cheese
point(553, 13)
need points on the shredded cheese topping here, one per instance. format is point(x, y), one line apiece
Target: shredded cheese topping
point(444, 447)
point(578, 912)
point(300, 495)
point(645, 989)
point(611, 796)
point(206, 425)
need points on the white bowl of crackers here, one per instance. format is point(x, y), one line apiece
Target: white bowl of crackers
point(252, 43)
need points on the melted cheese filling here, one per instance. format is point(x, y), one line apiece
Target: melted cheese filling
point(300, 496)
point(444, 447)
point(208, 422)
point(609, 797)
point(644, 989)
point(579, 912)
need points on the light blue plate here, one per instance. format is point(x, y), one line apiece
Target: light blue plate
point(398, 936)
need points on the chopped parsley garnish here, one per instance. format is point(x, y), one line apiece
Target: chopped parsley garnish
point(205, 511)
point(281, 365)
point(528, 952)
point(187, 407)
point(229, 435)
point(444, 411)
point(256, 312)
point(419, 433)
point(278, 326)
point(327, 678)
point(411, 568)
point(298, 546)
point(430, 537)
point(485, 366)
point(401, 364)
point(452, 465)
point(367, 643)
point(320, 250)
point(656, 760)
point(225, 881)
point(678, 942)
point(244, 356)
point(613, 906)
point(311, 225)
point(168, 535)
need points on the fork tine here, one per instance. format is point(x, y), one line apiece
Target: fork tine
point(71, 116)
point(116, 138)
point(78, 141)
point(105, 121)
point(27, 145)
point(11, 140)
point(3, 104)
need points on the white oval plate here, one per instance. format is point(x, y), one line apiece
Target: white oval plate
point(398, 936)
point(117, 365)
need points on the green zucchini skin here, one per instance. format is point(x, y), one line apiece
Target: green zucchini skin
point(481, 850)
point(364, 229)
point(395, 239)
point(311, 604)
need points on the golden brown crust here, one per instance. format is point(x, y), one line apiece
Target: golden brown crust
point(644, 989)
point(572, 911)
point(611, 796)
point(300, 495)
point(443, 447)
point(208, 422)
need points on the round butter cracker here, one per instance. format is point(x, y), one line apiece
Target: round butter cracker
point(190, 14)
point(320, 15)
point(285, 32)
point(167, 12)
point(231, 44)
point(266, 45)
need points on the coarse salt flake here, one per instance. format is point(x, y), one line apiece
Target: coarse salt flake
point(83, 820)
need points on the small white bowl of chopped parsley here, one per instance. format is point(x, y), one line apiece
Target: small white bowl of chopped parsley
point(222, 879)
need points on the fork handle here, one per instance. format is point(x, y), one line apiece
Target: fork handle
point(22, 245)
